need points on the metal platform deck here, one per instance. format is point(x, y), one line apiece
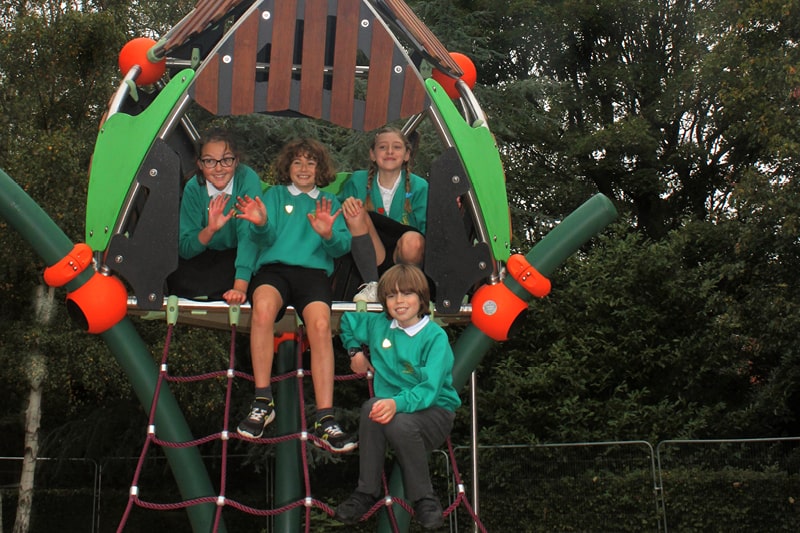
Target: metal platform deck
point(218, 314)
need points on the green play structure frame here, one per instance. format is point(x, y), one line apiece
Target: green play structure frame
point(140, 153)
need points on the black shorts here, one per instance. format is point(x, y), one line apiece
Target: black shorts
point(206, 276)
point(298, 286)
point(389, 231)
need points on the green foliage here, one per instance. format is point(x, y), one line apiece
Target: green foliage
point(698, 500)
point(633, 343)
point(695, 500)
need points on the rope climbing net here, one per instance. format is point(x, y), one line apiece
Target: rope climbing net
point(221, 500)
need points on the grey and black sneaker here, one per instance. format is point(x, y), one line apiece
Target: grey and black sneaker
point(331, 437)
point(262, 412)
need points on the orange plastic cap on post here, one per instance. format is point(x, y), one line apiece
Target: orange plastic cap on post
point(526, 275)
point(98, 304)
point(69, 266)
point(448, 83)
point(287, 336)
point(135, 52)
point(496, 311)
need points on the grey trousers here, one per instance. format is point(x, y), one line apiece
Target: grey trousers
point(412, 436)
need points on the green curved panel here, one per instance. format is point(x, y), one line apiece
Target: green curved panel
point(122, 144)
point(478, 152)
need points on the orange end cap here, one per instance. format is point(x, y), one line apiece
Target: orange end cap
point(287, 336)
point(68, 268)
point(526, 275)
point(135, 53)
point(469, 75)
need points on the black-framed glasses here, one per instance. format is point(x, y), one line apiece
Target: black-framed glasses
point(210, 162)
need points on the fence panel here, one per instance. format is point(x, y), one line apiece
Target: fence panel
point(730, 485)
point(65, 497)
point(603, 487)
point(686, 486)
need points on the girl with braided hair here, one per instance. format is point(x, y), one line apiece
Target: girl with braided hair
point(385, 208)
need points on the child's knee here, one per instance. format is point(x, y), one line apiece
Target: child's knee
point(410, 248)
point(319, 326)
point(263, 314)
point(402, 427)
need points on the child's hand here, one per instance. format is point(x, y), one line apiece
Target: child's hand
point(252, 210)
point(238, 294)
point(352, 207)
point(216, 214)
point(322, 219)
point(383, 411)
point(360, 364)
point(235, 297)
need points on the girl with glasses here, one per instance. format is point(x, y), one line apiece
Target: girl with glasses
point(216, 255)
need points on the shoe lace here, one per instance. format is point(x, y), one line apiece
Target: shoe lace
point(257, 414)
point(370, 286)
point(333, 430)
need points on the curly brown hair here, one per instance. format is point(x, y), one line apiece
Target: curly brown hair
point(310, 149)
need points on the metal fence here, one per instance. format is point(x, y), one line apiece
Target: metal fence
point(567, 487)
point(72, 487)
point(680, 485)
point(730, 484)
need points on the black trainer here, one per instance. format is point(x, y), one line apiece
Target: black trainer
point(332, 436)
point(262, 412)
point(428, 512)
point(354, 508)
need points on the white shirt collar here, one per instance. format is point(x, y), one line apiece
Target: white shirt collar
point(213, 191)
point(294, 191)
point(413, 330)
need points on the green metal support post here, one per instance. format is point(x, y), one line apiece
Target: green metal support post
point(288, 470)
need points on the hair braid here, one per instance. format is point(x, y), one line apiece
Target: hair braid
point(407, 204)
point(371, 172)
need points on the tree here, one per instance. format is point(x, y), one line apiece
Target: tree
point(681, 112)
point(36, 373)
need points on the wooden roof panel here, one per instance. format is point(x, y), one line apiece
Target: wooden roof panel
point(308, 57)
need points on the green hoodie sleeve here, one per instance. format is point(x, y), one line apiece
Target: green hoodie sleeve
point(354, 329)
point(247, 183)
point(419, 203)
point(193, 218)
point(354, 187)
